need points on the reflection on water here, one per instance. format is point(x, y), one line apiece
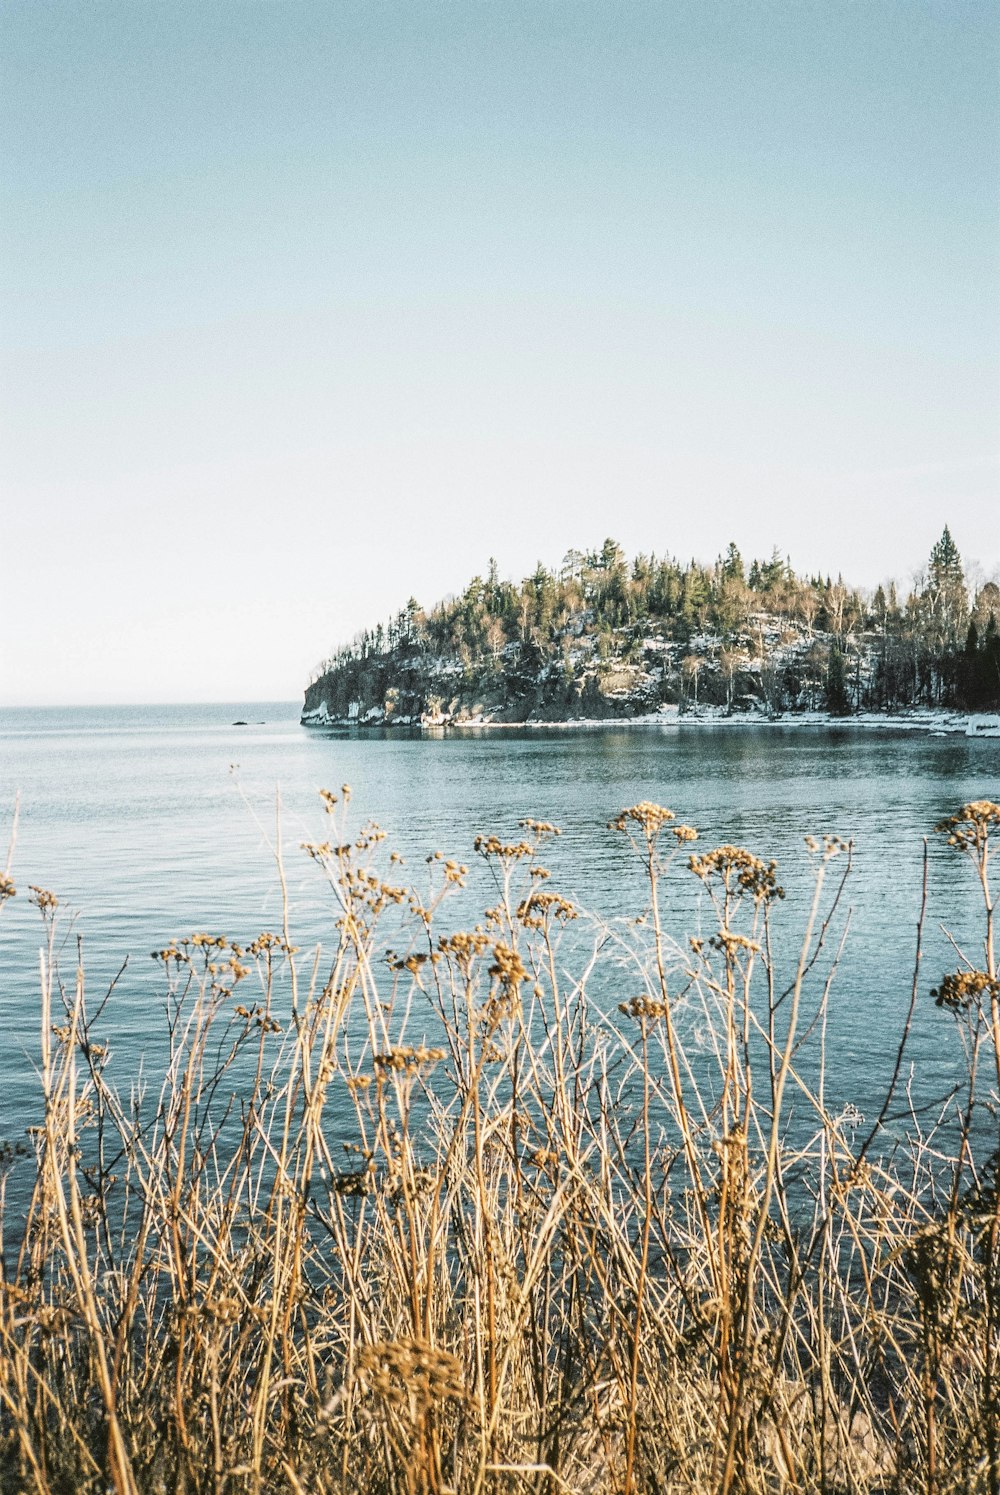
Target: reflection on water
point(150, 822)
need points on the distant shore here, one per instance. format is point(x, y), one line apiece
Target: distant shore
point(936, 723)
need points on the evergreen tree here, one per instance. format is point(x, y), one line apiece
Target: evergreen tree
point(837, 701)
point(732, 565)
point(945, 562)
point(945, 596)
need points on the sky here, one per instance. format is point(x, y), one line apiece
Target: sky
point(308, 306)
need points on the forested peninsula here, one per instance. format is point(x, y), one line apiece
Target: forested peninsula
point(605, 638)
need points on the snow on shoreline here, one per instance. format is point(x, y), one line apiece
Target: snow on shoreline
point(936, 723)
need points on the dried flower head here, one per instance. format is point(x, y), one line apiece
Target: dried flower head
point(961, 989)
point(407, 1059)
point(539, 828)
point(970, 827)
point(539, 908)
point(644, 1009)
point(492, 846)
point(463, 947)
point(355, 1183)
point(739, 871)
point(508, 969)
point(730, 943)
point(508, 972)
point(409, 1373)
point(645, 817)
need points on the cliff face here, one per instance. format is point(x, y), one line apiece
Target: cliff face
point(434, 694)
point(434, 691)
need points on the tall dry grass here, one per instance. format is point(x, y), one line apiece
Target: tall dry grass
point(433, 1222)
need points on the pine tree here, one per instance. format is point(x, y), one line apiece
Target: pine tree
point(944, 597)
point(837, 701)
point(732, 564)
point(945, 562)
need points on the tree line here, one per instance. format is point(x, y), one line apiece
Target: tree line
point(725, 629)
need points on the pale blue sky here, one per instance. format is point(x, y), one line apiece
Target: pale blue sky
point(308, 306)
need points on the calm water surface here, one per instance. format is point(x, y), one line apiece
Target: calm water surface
point(151, 822)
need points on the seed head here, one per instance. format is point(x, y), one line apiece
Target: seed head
point(645, 816)
point(962, 989)
point(970, 827)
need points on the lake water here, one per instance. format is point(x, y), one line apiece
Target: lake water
point(147, 824)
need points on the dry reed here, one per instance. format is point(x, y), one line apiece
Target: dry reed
point(435, 1222)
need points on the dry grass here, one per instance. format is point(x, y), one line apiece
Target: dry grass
point(560, 1252)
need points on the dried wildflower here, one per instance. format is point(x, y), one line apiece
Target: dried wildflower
point(410, 1374)
point(739, 870)
point(266, 942)
point(860, 1176)
point(370, 836)
point(508, 972)
point(224, 1310)
point(492, 846)
point(7, 888)
point(962, 989)
point(463, 947)
point(539, 908)
point(644, 1009)
point(320, 851)
point(354, 1183)
point(970, 827)
point(831, 846)
point(207, 942)
point(730, 943)
point(43, 900)
point(407, 1059)
point(172, 953)
point(508, 968)
point(544, 1157)
point(645, 816)
point(684, 834)
point(539, 828)
point(411, 963)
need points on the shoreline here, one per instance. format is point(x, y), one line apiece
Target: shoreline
point(936, 723)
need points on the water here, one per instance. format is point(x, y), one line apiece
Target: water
point(152, 822)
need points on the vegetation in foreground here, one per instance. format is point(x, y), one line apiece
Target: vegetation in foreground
point(604, 637)
point(561, 1251)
